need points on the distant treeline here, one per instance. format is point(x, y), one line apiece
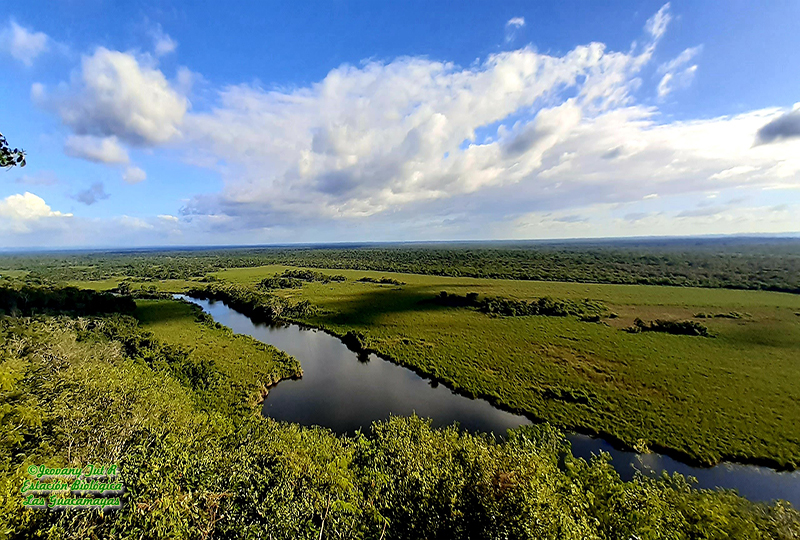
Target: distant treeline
point(26, 300)
point(761, 264)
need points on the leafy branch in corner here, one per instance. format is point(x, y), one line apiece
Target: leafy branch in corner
point(10, 157)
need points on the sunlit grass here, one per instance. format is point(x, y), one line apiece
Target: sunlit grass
point(733, 396)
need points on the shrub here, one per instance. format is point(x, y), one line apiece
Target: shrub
point(685, 328)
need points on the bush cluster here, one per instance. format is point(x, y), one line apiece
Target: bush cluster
point(382, 280)
point(586, 310)
point(259, 306)
point(684, 328)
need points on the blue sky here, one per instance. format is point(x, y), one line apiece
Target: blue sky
point(265, 122)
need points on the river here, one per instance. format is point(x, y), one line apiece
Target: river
point(345, 391)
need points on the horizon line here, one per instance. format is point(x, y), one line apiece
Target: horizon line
point(355, 243)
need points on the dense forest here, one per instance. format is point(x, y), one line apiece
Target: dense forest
point(739, 263)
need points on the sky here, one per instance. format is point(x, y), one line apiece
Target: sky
point(196, 123)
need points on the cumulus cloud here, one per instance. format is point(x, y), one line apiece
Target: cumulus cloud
point(365, 140)
point(134, 223)
point(94, 193)
point(96, 149)
point(134, 175)
point(22, 213)
point(785, 126)
point(520, 130)
point(23, 44)
point(114, 94)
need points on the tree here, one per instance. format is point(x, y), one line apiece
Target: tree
point(9, 157)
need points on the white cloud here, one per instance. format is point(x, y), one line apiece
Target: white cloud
point(657, 24)
point(675, 76)
point(679, 61)
point(162, 43)
point(114, 94)
point(22, 213)
point(168, 218)
point(96, 149)
point(134, 175)
point(512, 26)
point(134, 223)
point(384, 139)
point(366, 140)
point(22, 44)
point(733, 171)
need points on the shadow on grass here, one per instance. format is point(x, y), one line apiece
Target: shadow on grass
point(158, 311)
point(370, 306)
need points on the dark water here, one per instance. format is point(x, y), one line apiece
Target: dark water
point(343, 391)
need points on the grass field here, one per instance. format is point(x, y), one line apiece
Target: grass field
point(733, 396)
point(247, 366)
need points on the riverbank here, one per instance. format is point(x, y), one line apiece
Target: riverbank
point(243, 370)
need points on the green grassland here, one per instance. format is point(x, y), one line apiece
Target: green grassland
point(248, 366)
point(730, 397)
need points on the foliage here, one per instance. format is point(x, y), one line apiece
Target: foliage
point(684, 328)
point(279, 282)
point(729, 315)
point(10, 157)
point(257, 305)
point(294, 279)
point(585, 310)
point(381, 280)
point(241, 368)
point(150, 292)
point(28, 300)
point(310, 275)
